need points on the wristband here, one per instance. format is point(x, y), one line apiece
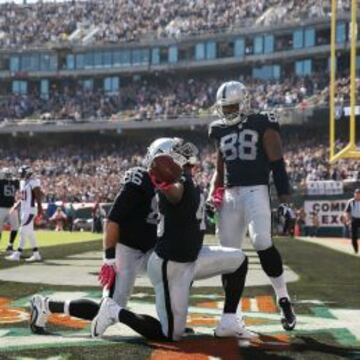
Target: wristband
point(280, 176)
point(109, 255)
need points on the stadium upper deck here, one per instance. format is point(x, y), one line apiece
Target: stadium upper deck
point(119, 20)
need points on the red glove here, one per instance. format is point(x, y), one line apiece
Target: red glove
point(107, 274)
point(218, 197)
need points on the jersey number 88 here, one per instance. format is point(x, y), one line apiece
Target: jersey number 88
point(241, 145)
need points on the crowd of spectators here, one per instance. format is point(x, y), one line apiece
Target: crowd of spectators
point(91, 171)
point(122, 20)
point(160, 97)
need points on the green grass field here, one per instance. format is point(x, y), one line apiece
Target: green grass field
point(328, 288)
point(53, 238)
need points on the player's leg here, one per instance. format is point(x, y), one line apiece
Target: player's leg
point(3, 216)
point(231, 227)
point(41, 307)
point(232, 265)
point(33, 243)
point(258, 215)
point(354, 235)
point(14, 227)
point(171, 282)
point(129, 263)
point(26, 220)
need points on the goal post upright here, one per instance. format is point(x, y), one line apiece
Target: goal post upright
point(349, 151)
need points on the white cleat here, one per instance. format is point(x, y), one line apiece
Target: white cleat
point(107, 316)
point(15, 256)
point(234, 327)
point(38, 314)
point(9, 251)
point(35, 257)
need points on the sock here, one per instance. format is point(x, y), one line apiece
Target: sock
point(82, 308)
point(279, 285)
point(233, 285)
point(144, 325)
point(12, 237)
point(55, 306)
point(355, 245)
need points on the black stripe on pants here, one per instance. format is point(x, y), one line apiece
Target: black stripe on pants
point(27, 222)
point(170, 315)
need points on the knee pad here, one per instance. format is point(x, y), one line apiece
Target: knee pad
point(271, 262)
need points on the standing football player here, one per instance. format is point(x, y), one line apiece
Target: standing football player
point(30, 194)
point(129, 237)
point(249, 147)
point(179, 257)
point(8, 188)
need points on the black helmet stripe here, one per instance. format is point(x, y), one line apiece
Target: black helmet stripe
point(224, 92)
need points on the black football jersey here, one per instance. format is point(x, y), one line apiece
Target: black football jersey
point(241, 146)
point(8, 190)
point(181, 227)
point(135, 210)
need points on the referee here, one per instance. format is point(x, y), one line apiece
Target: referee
point(353, 212)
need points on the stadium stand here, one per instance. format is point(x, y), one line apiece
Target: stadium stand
point(156, 97)
point(115, 21)
point(91, 170)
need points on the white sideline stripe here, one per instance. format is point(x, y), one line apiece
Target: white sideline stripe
point(330, 244)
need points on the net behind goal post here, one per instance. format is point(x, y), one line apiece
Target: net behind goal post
point(350, 151)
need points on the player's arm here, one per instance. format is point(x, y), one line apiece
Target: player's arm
point(107, 271)
point(217, 180)
point(38, 197)
point(110, 239)
point(348, 212)
point(15, 206)
point(273, 148)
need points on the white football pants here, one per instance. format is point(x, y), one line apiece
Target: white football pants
point(172, 281)
point(245, 208)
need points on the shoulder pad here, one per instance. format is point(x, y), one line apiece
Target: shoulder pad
point(34, 183)
point(271, 120)
point(214, 126)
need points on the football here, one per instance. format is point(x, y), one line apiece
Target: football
point(165, 169)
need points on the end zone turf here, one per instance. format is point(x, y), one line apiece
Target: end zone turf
point(327, 302)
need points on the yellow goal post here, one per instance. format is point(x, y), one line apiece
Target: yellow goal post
point(350, 150)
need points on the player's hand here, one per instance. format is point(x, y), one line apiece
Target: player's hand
point(107, 274)
point(218, 197)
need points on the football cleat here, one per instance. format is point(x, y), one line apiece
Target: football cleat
point(288, 317)
point(38, 314)
point(234, 327)
point(35, 257)
point(9, 250)
point(107, 316)
point(15, 256)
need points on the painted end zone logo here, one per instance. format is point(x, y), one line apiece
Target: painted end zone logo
point(260, 314)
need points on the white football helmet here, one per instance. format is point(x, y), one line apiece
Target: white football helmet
point(233, 93)
point(25, 172)
point(182, 153)
point(5, 174)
